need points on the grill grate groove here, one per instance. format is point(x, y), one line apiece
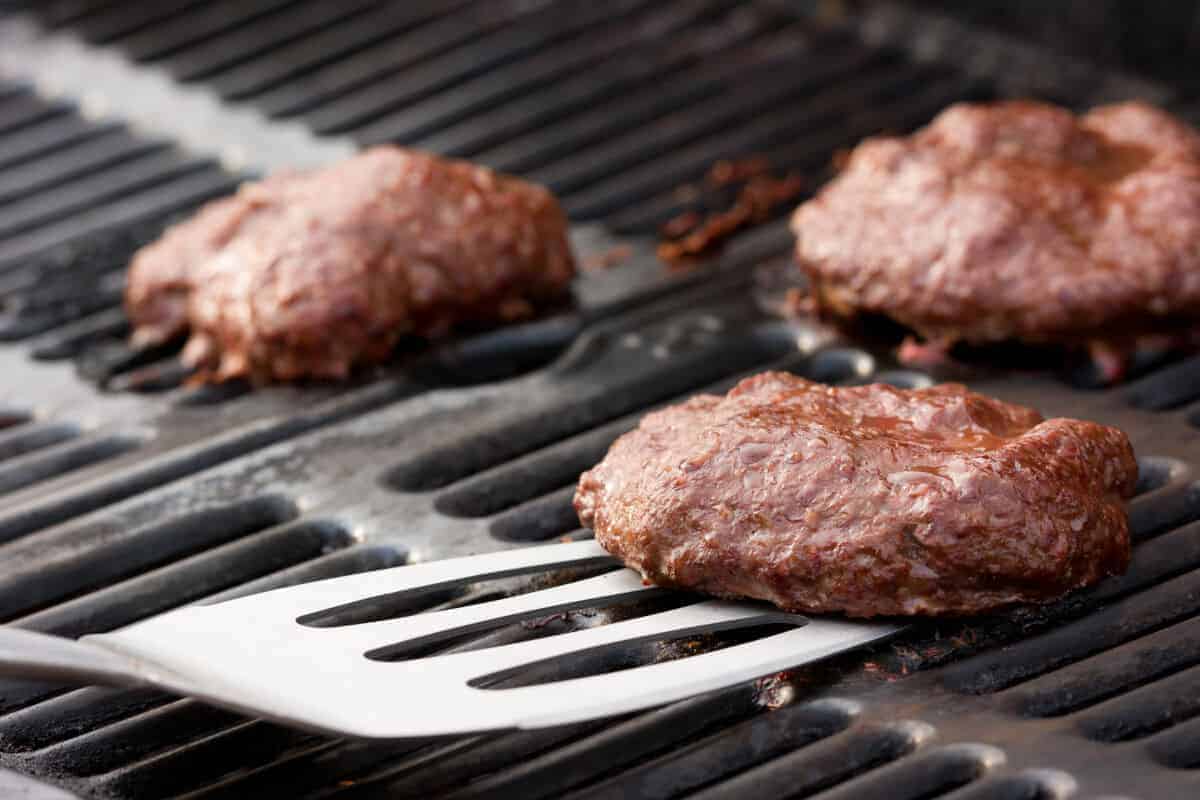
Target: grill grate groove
point(61, 458)
point(120, 19)
point(872, 83)
point(1179, 747)
point(807, 152)
point(255, 40)
point(65, 564)
point(24, 110)
point(444, 74)
point(143, 173)
point(609, 36)
point(705, 761)
point(306, 56)
point(71, 715)
point(1163, 704)
point(928, 774)
point(208, 760)
point(518, 117)
point(58, 13)
point(56, 733)
point(54, 135)
point(1140, 614)
point(1122, 669)
point(28, 438)
point(773, 86)
point(204, 23)
point(357, 70)
point(821, 765)
point(594, 126)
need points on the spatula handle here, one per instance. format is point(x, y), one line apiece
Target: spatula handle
point(38, 656)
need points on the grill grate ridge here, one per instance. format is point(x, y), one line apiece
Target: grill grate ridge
point(518, 117)
point(809, 152)
point(58, 13)
point(930, 773)
point(473, 451)
point(119, 181)
point(204, 23)
point(62, 458)
point(772, 86)
point(1178, 748)
point(35, 436)
point(822, 764)
point(177, 195)
point(357, 70)
point(1137, 615)
point(262, 37)
point(712, 758)
point(593, 126)
point(588, 48)
point(326, 47)
point(1120, 670)
point(55, 134)
point(1163, 704)
point(126, 19)
point(440, 77)
point(94, 154)
point(24, 110)
point(61, 565)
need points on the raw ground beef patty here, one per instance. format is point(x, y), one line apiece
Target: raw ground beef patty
point(865, 500)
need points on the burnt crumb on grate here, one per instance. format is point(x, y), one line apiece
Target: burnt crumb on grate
point(759, 194)
point(613, 257)
point(10, 417)
point(775, 691)
point(901, 659)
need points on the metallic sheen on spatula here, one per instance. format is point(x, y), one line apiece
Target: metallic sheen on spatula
point(255, 654)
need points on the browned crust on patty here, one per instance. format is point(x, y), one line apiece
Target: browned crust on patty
point(1014, 220)
point(866, 500)
point(309, 275)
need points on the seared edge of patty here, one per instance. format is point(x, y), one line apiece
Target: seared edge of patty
point(864, 500)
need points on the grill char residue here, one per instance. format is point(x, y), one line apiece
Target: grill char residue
point(126, 501)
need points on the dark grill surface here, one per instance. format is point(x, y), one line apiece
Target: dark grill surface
point(126, 492)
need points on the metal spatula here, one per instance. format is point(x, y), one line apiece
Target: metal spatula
point(261, 654)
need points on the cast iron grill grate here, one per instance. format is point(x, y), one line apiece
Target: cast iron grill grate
point(434, 456)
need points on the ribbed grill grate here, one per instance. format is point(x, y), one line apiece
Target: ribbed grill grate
point(129, 493)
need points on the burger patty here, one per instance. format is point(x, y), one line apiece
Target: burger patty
point(307, 275)
point(1014, 221)
point(867, 500)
